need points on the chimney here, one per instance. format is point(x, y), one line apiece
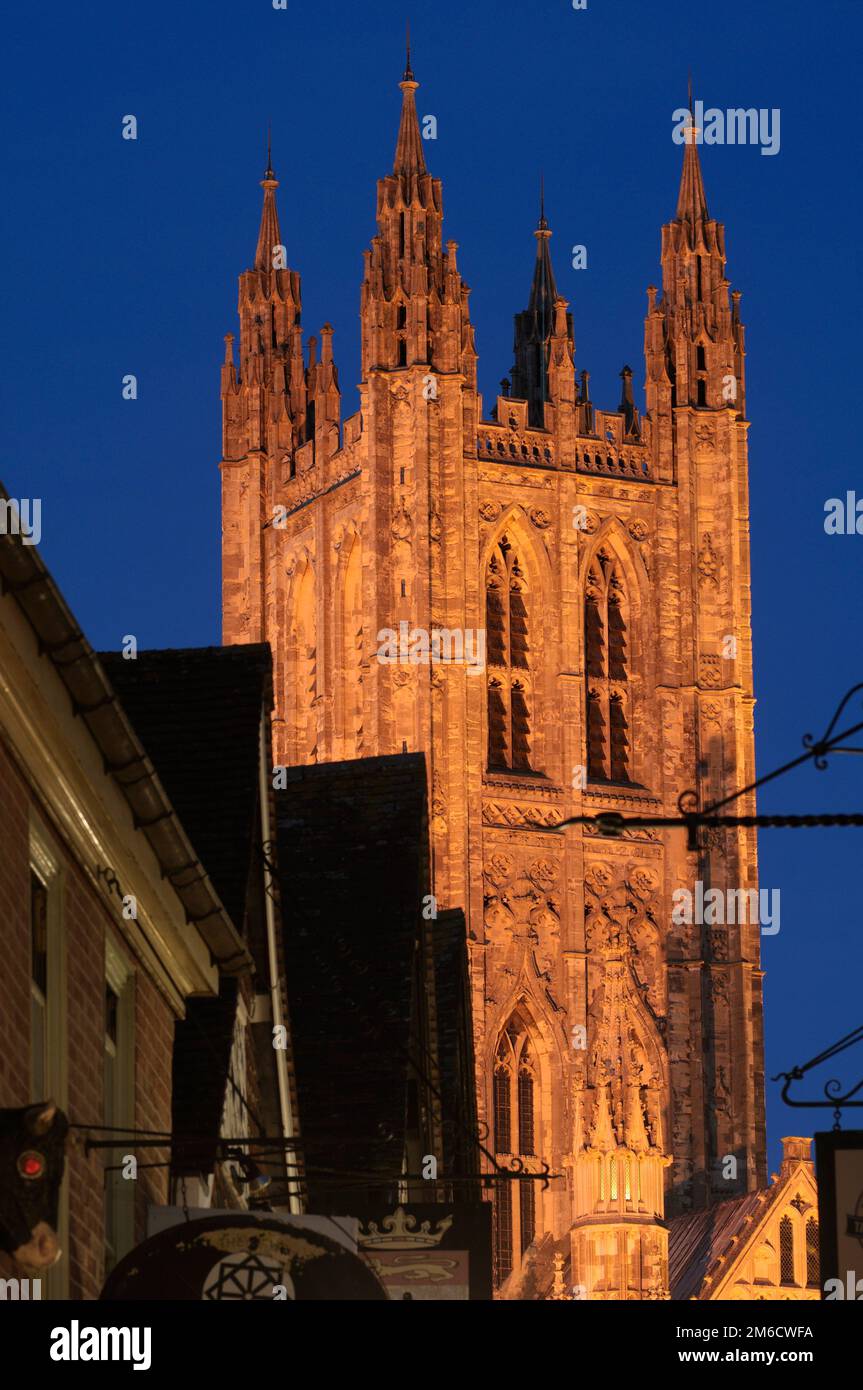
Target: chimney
point(795, 1150)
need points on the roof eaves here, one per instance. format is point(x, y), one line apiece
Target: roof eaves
point(24, 574)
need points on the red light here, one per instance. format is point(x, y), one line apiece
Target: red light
point(31, 1165)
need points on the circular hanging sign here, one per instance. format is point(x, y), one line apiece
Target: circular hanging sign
point(247, 1257)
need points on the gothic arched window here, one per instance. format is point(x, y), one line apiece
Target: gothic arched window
point(812, 1261)
point(510, 697)
point(606, 646)
point(515, 1096)
point(786, 1251)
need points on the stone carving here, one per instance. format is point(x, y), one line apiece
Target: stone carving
point(438, 805)
point(521, 901)
point(708, 562)
point(489, 511)
point(638, 530)
point(402, 527)
point(722, 1093)
point(620, 922)
point(717, 984)
point(510, 814)
point(718, 938)
point(535, 480)
point(539, 518)
point(708, 672)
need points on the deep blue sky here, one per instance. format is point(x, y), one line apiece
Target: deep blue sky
point(122, 257)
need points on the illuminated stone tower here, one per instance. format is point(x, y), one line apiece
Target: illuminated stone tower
point(551, 601)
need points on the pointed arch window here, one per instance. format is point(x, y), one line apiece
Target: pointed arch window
point(515, 1124)
point(786, 1251)
point(813, 1278)
point(509, 689)
point(606, 644)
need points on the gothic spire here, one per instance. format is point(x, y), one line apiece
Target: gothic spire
point(534, 327)
point(409, 146)
point(543, 291)
point(269, 236)
point(691, 201)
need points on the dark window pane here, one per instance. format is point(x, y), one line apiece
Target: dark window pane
point(812, 1261)
point(502, 1112)
point(527, 1211)
point(111, 1007)
point(502, 1233)
point(525, 1112)
point(786, 1251)
point(39, 933)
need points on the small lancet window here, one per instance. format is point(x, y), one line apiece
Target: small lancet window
point(786, 1251)
point(515, 1127)
point(812, 1261)
point(509, 688)
point(606, 644)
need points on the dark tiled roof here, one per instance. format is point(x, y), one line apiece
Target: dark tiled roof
point(455, 1045)
point(197, 712)
point(202, 1055)
point(696, 1241)
point(353, 859)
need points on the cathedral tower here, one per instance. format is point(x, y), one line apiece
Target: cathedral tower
point(551, 601)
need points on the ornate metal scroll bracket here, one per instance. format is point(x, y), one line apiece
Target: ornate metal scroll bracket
point(835, 1099)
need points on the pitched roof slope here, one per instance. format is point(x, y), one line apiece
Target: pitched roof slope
point(198, 711)
point(696, 1241)
point(353, 859)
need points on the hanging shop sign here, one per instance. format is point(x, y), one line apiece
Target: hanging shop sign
point(242, 1257)
point(839, 1168)
point(429, 1251)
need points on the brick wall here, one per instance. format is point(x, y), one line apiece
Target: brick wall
point(14, 936)
point(86, 920)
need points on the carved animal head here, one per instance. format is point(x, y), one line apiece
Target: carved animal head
point(32, 1159)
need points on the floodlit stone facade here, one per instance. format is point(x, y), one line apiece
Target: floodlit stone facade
point(551, 600)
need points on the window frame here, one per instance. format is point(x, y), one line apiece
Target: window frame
point(45, 863)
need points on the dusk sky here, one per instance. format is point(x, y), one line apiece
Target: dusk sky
point(122, 257)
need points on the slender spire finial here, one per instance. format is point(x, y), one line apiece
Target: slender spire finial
point(269, 236)
point(691, 201)
point(408, 77)
point(409, 147)
point(542, 221)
